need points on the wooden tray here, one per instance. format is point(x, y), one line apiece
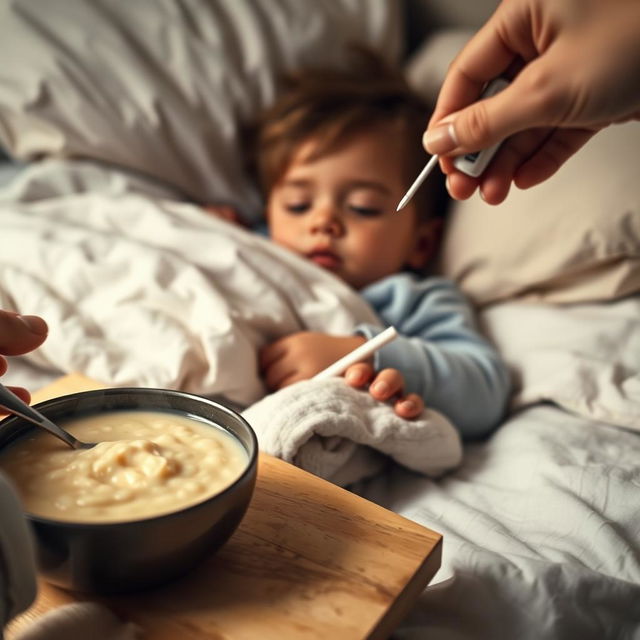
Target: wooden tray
point(309, 560)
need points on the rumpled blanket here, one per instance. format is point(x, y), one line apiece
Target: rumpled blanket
point(147, 292)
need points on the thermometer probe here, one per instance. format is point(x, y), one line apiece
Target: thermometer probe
point(473, 164)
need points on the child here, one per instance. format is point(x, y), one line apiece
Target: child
point(334, 156)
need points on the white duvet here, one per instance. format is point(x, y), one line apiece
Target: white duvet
point(148, 291)
point(541, 523)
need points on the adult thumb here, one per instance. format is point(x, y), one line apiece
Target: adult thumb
point(523, 104)
point(20, 334)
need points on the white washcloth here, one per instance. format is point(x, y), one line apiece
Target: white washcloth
point(344, 435)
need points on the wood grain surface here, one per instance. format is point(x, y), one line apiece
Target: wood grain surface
point(309, 561)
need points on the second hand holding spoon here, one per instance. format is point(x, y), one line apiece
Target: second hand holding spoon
point(13, 404)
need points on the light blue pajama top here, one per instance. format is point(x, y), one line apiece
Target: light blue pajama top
point(439, 350)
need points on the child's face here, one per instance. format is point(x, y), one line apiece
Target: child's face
point(339, 210)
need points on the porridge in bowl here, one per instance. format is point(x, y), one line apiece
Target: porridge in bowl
point(130, 518)
point(146, 463)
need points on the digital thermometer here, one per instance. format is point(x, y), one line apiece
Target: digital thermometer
point(473, 164)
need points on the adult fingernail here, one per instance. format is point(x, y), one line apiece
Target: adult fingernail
point(381, 387)
point(35, 324)
point(440, 140)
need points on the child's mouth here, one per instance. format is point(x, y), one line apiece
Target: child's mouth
point(325, 259)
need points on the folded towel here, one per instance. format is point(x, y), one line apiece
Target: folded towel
point(344, 435)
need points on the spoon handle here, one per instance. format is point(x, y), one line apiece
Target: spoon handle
point(13, 404)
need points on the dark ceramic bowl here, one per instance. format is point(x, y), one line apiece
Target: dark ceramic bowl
point(116, 557)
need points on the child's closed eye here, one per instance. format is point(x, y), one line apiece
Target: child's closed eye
point(365, 212)
point(297, 207)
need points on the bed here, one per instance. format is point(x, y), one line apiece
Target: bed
point(121, 121)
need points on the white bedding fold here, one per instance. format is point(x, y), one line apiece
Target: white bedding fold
point(157, 293)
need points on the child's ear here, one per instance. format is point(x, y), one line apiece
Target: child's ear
point(427, 241)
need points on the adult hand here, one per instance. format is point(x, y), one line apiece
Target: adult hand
point(19, 334)
point(386, 385)
point(301, 355)
point(577, 70)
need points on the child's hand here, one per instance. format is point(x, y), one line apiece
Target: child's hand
point(384, 386)
point(301, 355)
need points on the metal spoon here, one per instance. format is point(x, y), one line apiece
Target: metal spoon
point(13, 404)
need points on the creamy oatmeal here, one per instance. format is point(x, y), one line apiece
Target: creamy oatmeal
point(145, 464)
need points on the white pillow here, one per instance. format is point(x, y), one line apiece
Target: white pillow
point(163, 87)
point(572, 239)
point(427, 67)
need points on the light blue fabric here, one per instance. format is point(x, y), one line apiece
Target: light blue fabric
point(440, 351)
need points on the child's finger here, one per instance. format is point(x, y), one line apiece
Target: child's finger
point(296, 376)
point(275, 375)
point(409, 406)
point(358, 375)
point(271, 353)
point(386, 384)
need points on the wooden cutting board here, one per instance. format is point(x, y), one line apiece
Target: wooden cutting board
point(309, 561)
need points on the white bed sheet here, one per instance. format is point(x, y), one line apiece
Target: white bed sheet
point(541, 530)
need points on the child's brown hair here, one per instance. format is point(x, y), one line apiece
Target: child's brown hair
point(331, 106)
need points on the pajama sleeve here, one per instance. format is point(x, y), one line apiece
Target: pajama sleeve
point(440, 352)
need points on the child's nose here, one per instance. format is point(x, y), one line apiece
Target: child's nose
point(325, 219)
